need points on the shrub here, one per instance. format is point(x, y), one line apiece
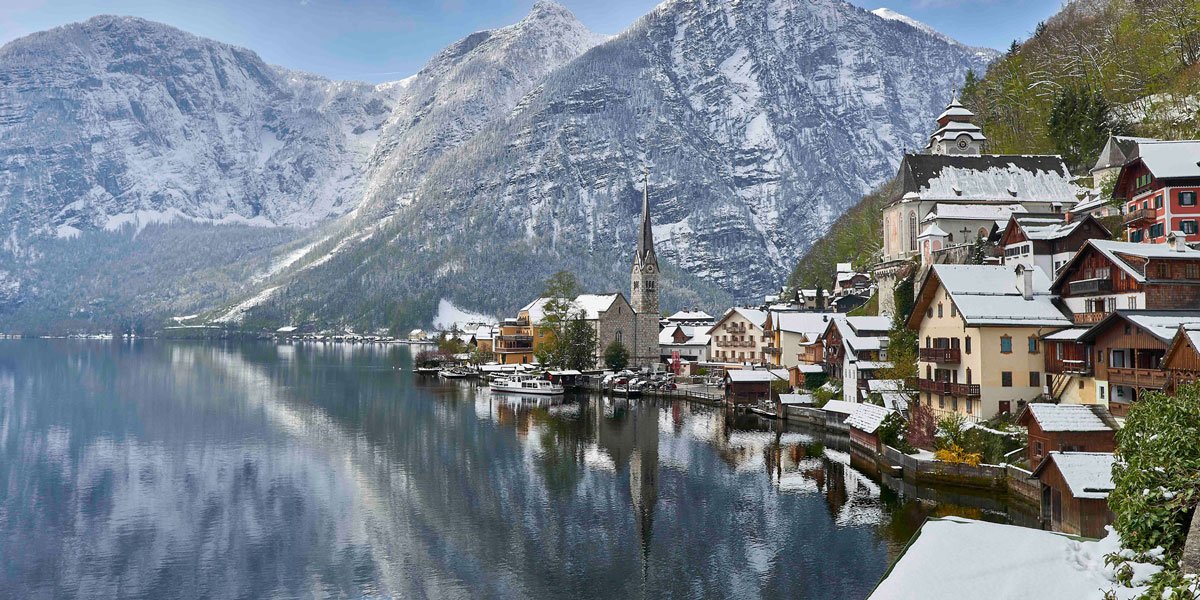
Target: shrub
point(954, 453)
point(892, 431)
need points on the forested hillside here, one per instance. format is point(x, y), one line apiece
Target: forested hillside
point(1096, 67)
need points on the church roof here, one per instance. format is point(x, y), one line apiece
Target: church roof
point(1118, 150)
point(645, 247)
point(955, 110)
point(987, 178)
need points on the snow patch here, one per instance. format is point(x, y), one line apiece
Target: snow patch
point(448, 315)
point(237, 313)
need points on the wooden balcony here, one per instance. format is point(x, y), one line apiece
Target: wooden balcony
point(1153, 379)
point(771, 350)
point(941, 355)
point(1140, 215)
point(1089, 318)
point(1099, 285)
point(967, 390)
point(1076, 367)
point(936, 387)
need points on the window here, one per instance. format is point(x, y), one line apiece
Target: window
point(1137, 235)
point(1133, 302)
point(1156, 230)
point(1006, 344)
point(1187, 198)
point(929, 313)
point(1101, 392)
point(968, 375)
point(968, 344)
point(953, 310)
point(912, 231)
point(1188, 226)
point(1158, 201)
point(1006, 378)
point(619, 337)
point(939, 310)
point(1038, 449)
point(954, 403)
point(1191, 271)
point(927, 342)
point(1035, 379)
point(1033, 345)
point(970, 406)
point(941, 401)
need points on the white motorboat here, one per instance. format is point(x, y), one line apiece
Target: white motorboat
point(526, 384)
point(454, 374)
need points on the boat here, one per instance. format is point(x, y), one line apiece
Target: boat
point(427, 370)
point(770, 414)
point(526, 384)
point(454, 374)
point(629, 390)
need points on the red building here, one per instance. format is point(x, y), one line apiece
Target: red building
point(1159, 187)
point(1067, 428)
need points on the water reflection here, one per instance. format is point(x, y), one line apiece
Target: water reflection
point(184, 470)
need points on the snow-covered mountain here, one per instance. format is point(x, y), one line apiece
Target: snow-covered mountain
point(760, 121)
point(891, 15)
point(514, 153)
point(119, 120)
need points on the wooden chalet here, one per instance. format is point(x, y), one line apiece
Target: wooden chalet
point(745, 386)
point(1130, 346)
point(1067, 428)
point(1049, 241)
point(1182, 361)
point(1075, 488)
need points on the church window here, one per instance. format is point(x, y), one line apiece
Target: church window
point(635, 286)
point(912, 231)
point(650, 285)
point(619, 336)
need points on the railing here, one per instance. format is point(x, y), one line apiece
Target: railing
point(1138, 378)
point(941, 355)
point(930, 385)
point(515, 338)
point(1076, 367)
point(1089, 318)
point(1098, 285)
point(1141, 214)
point(970, 390)
point(771, 350)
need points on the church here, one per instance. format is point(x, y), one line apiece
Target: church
point(643, 291)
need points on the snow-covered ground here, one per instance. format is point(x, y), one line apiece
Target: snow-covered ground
point(448, 315)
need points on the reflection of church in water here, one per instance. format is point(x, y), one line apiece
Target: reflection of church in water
point(629, 434)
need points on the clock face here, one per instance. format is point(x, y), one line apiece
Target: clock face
point(962, 144)
point(649, 268)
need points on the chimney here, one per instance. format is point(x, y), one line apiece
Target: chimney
point(1175, 241)
point(1025, 281)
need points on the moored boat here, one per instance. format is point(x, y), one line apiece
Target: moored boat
point(526, 384)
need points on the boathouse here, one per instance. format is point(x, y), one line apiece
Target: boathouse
point(1075, 487)
point(1067, 428)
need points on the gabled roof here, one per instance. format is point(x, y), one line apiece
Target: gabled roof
point(1162, 324)
point(885, 385)
point(796, 399)
point(974, 212)
point(1188, 336)
point(809, 324)
point(840, 407)
point(932, 231)
point(1173, 159)
point(867, 417)
point(1088, 474)
point(987, 295)
point(1116, 253)
point(1117, 151)
point(865, 323)
point(1067, 417)
point(987, 178)
point(690, 315)
point(591, 305)
point(756, 376)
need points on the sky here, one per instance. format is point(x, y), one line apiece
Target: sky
point(383, 40)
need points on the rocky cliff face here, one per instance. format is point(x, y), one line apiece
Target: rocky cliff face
point(514, 153)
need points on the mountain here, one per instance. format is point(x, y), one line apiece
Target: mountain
point(760, 122)
point(987, 54)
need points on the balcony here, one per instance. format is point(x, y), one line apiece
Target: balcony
point(936, 387)
point(1138, 378)
point(771, 350)
point(1140, 215)
point(1100, 285)
point(1076, 367)
point(968, 390)
point(1089, 318)
point(941, 355)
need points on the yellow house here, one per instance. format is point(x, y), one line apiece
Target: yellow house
point(979, 335)
point(518, 339)
point(791, 333)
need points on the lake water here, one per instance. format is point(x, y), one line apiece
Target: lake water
point(176, 470)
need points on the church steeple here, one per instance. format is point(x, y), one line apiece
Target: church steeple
point(644, 286)
point(957, 133)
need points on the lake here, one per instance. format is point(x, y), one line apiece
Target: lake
point(156, 469)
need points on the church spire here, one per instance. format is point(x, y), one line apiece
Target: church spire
point(645, 247)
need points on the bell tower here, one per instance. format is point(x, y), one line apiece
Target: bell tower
point(643, 293)
point(957, 132)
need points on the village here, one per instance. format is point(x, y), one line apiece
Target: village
point(1014, 315)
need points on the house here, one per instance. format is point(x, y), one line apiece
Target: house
point(1106, 275)
point(684, 342)
point(1182, 361)
point(738, 337)
point(802, 375)
point(610, 315)
point(1117, 152)
point(1069, 368)
point(418, 335)
point(790, 334)
point(1047, 242)
point(1130, 346)
point(747, 386)
point(864, 425)
point(694, 316)
point(978, 559)
point(965, 191)
point(1067, 428)
point(979, 329)
point(848, 281)
point(484, 337)
point(855, 348)
point(1075, 488)
point(1159, 186)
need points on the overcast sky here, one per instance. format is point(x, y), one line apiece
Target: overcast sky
point(381, 40)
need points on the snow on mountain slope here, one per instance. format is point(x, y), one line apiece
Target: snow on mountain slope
point(761, 121)
point(891, 15)
point(118, 119)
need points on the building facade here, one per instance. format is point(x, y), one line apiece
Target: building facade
point(1160, 186)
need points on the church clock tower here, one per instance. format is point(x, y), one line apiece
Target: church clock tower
point(644, 287)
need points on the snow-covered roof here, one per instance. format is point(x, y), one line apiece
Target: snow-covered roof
point(867, 417)
point(988, 177)
point(796, 399)
point(974, 212)
point(1066, 335)
point(286, 329)
point(1042, 228)
point(809, 324)
point(566, 373)
point(1171, 159)
point(988, 295)
point(932, 231)
point(1118, 150)
point(1088, 474)
point(885, 385)
point(839, 406)
point(755, 316)
point(1068, 417)
point(844, 267)
point(484, 332)
point(896, 400)
point(591, 305)
point(1006, 561)
point(869, 323)
point(1162, 324)
point(807, 368)
point(873, 365)
point(756, 376)
point(1115, 251)
point(696, 335)
point(690, 315)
